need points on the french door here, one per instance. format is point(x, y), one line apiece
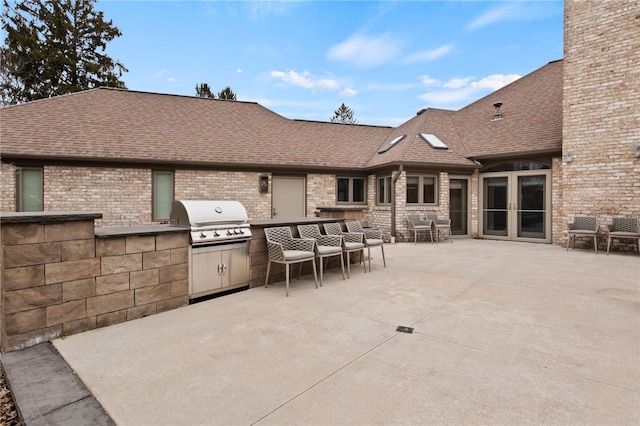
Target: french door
point(516, 205)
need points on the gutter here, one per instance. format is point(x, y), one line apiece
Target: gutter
point(394, 179)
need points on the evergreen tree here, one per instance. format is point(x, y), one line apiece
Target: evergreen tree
point(227, 93)
point(204, 91)
point(344, 115)
point(55, 47)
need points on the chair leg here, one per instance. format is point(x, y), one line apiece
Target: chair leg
point(364, 262)
point(266, 280)
point(286, 278)
point(368, 254)
point(342, 265)
point(431, 235)
point(300, 270)
point(384, 262)
point(315, 275)
point(321, 269)
point(450, 236)
point(595, 243)
point(608, 243)
point(348, 265)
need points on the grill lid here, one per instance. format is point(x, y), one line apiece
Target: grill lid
point(199, 213)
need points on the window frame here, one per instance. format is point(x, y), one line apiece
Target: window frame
point(350, 195)
point(155, 217)
point(386, 183)
point(421, 179)
point(20, 194)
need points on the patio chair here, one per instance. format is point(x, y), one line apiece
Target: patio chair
point(622, 228)
point(415, 223)
point(372, 238)
point(583, 226)
point(351, 243)
point(285, 249)
point(326, 245)
point(440, 225)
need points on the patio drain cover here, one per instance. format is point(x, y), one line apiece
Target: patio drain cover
point(403, 329)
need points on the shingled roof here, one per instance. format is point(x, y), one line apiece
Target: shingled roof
point(123, 126)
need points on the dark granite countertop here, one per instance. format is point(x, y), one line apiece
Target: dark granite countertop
point(293, 221)
point(47, 217)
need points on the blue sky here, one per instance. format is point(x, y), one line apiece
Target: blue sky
point(385, 60)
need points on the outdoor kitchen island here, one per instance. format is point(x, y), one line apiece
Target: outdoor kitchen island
point(258, 246)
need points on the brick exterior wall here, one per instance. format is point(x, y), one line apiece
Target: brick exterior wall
point(227, 185)
point(601, 125)
point(321, 192)
point(7, 187)
point(59, 279)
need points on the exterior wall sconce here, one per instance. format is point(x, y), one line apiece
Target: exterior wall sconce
point(636, 151)
point(569, 157)
point(263, 184)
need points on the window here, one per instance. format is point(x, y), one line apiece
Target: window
point(433, 141)
point(351, 190)
point(29, 191)
point(384, 190)
point(162, 195)
point(391, 144)
point(422, 190)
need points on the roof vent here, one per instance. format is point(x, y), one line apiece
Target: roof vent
point(498, 114)
point(421, 111)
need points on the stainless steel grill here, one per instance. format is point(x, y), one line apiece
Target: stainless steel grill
point(219, 251)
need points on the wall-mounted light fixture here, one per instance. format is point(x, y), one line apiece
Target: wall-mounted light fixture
point(636, 151)
point(569, 157)
point(263, 184)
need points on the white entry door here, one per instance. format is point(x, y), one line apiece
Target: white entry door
point(288, 197)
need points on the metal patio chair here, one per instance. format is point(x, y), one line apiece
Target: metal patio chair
point(372, 238)
point(440, 225)
point(351, 243)
point(326, 245)
point(622, 228)
point(285, 249)
point(415, 224)
point(583, 226)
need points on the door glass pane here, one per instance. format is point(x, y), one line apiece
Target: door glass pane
point(458, 206)
point(358, 190)
point(163, 195)
point(495, 206)
point(31, 199)
point(531, 212)
point(412, 189)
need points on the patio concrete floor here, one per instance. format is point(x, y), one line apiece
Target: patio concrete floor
point(504, 333)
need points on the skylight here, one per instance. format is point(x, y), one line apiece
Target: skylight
point(391, 144)
point(433, 141)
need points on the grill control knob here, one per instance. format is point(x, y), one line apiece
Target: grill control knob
point(216, 234)
point(203, 235)
point(229, 232)
point(241, 231)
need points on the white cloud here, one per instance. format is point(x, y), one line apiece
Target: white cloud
point(462, 91)
point(428, 81)
point(429, 55)
point(349, 92)
point(495, 81)
point(239, 71)
point(503, 12)
point(456, 83)
point(366, 51)
point(305, 80)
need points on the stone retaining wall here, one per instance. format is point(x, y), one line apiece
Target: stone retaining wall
point(58, 278)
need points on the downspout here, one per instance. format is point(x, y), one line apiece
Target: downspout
point(395, 177)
